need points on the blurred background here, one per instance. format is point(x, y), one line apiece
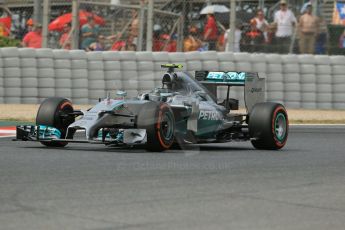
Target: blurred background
point(171, 25)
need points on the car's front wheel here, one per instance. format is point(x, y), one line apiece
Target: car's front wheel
point(53, 112)
point(268, 126)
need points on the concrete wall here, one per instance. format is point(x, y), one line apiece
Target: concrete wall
point(29, 75)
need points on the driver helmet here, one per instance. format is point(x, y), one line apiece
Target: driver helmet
point(168, 81)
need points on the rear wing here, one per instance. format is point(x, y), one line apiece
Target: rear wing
point(254, 86)
point(221, 78)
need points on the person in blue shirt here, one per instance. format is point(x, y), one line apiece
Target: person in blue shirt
point(89, 33)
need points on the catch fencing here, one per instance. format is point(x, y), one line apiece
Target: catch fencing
point(165, 25)
point(28, 76)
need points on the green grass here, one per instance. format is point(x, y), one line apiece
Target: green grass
point(14, 122)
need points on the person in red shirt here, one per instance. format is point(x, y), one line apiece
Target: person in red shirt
point(168, 44)
point(253, 38)
point(171, 46)
point(118, 45)
point(33, 39)
point(211, 32)
point(220, 46)
point(127, 45)
point(65, 39)
point(157, 43)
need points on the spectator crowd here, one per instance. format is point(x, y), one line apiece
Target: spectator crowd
point(258, 35)
point(255, 35)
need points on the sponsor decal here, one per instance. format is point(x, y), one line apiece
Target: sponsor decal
point(237, 76)
point(234, 77)
point(216, 75)
point(209, 115)
point(256, 90)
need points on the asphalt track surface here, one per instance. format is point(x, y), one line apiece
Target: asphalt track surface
point(228, 186)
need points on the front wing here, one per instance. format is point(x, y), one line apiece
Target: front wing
point(50, 134)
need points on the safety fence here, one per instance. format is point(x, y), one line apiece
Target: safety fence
point(30, 75)
point(178, 25)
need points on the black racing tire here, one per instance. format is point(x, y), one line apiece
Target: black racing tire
point(49, 114)
point(158, 120)
point(268, 126)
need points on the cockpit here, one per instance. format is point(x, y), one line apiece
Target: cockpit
point(181, 83)
point(178, 85)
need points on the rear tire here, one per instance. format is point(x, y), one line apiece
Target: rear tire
point(159, 122)
point(268, 126)
point(49, 114)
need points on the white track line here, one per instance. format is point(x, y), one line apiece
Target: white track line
point(7, 136)
point(331, 125)
point(7, 133)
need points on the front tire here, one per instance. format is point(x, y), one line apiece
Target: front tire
point(53, 112)
point(268, 126)
point(159, 122)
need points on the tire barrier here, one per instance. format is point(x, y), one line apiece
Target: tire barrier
point(274, 78)
point(324, 86)
point(338, 81)
point(12, 75)
point(160, 58)
point(79, 77)
point(96, 82)
point(63, 73)
point(292, 86)
point(112, 72)
point(194, 63)
point(146, 67)
point(308, 81)
point(129, 73)
point(2, 90)
point(46, 73)
point(30, 75)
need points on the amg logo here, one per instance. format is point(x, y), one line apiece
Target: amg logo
point(256, 90)
point(209, 115)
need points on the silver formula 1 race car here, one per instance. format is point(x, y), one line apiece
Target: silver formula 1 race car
point(185, 110)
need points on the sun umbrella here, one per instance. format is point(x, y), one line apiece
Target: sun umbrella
point(211, 9)
point(59, 22)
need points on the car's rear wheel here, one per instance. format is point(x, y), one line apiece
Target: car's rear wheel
point(54, 112)
point(159, 122)
point(268, 126)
